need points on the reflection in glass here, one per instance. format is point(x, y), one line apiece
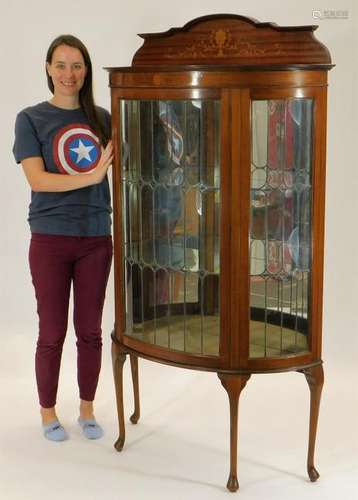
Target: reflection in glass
point(170, 153)
point(280, 226)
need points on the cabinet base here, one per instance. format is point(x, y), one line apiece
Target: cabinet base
point(233, 383)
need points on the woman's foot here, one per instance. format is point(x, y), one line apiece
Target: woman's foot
point(90, 428)
point(51, 427)
point(54, 431)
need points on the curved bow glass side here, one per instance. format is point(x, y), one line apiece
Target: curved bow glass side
point(280, 229)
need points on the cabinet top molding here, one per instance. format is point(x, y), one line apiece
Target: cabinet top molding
point(232, 40)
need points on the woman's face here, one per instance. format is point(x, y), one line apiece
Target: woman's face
point(67, 70)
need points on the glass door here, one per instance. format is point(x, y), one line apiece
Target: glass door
point(171, 222)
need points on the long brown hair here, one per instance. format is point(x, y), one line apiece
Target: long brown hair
point(86, 93)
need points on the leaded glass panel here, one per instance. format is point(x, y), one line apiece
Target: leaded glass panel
point(280, 227)
point(171, 222)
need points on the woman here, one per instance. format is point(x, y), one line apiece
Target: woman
point(64, 148)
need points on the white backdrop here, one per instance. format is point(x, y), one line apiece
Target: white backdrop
point(108, 28)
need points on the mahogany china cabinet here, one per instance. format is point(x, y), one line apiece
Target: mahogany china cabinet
point(219, 131)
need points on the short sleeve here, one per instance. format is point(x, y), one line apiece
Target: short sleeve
point(26, 143)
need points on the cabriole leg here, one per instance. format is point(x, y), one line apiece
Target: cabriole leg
point(118, 360)
point(134, 369)
point(315, 379)
point(233, 384)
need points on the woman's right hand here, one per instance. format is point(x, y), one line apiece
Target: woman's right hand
point(104, 163)
point(40, 180)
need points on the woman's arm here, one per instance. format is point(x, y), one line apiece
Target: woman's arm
point(40, 180)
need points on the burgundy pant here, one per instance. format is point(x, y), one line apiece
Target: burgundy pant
point(55, 263)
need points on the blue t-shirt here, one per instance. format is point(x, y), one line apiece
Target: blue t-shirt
point(68, 146)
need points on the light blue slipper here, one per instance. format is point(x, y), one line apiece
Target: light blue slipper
point(90, 428)
point(54, 431)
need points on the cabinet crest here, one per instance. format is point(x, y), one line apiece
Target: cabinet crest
point(230, 39)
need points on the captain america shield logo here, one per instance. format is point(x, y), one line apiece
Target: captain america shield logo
point(76, 149)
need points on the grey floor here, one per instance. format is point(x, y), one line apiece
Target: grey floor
point(180, 447)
